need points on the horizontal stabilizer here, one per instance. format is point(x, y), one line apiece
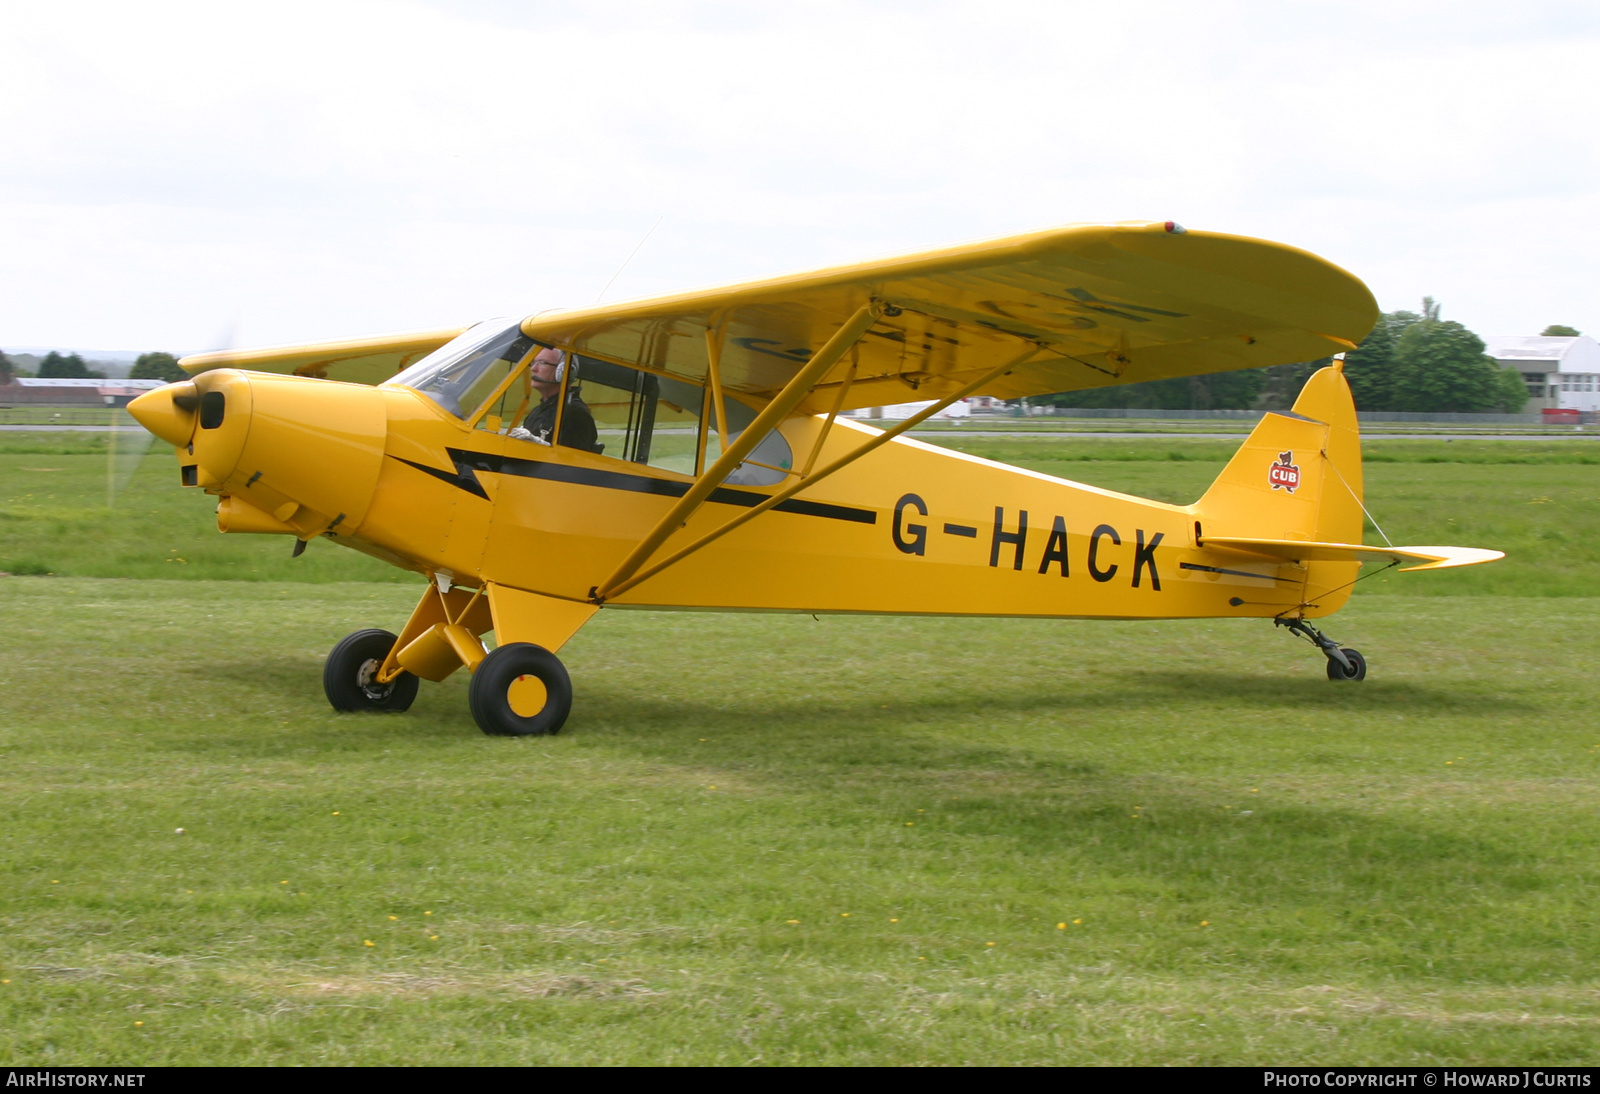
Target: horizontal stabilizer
point(1293, 550)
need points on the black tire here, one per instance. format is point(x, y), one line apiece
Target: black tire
point(347, 675)
point(489, 692)
point(1357, 670)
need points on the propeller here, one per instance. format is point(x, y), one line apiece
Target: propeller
point(130, 441)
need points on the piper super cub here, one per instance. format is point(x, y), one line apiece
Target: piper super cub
point(688, 452)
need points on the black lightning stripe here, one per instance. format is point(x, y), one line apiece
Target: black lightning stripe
point(463, 477)
point(1233, 573)
point(468, 464)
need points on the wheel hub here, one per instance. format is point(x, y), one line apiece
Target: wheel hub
point(366, 677)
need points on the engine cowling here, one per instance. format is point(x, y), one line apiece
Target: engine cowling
point(308, 452)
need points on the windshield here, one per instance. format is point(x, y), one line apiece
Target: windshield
point(455, 374)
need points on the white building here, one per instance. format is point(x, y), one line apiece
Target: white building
point(48, 391)
point(901, 411)
point(1560, 372)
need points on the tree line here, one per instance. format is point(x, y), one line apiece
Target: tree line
point(71, 366)
point(1410, 362)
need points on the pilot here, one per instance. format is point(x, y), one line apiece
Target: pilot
point(577, 424)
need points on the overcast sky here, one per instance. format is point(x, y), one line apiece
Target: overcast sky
point(188, 176)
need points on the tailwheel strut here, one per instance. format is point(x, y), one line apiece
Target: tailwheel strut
point(1343, 663)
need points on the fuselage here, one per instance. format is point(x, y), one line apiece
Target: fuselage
point(908, 528)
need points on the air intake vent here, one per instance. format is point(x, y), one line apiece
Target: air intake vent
point(213, 405)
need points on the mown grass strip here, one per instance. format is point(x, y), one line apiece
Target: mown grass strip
point(769, 839)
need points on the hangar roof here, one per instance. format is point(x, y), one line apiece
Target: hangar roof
point(1580, 354)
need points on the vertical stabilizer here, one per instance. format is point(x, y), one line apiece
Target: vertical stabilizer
point(1298, 477)
point(1326, 398)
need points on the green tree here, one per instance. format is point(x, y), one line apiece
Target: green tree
point(1281, 384)
point(1409, 361)
point(1229, 390)
point(1557, 330)
point(1513, 391)
point(56, 366)
point(1216, 391)
point(157, 366)
point(1439, 366)
point(7, 369)
point(1370, 367)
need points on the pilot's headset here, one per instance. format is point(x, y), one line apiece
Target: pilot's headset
point(577, 373)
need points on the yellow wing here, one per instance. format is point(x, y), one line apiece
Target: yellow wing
point(357, 360)
point(1106, 303)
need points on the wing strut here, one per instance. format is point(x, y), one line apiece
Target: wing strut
point(618, 587)
point(714, 380)
point(822, 434)
point(777, 410)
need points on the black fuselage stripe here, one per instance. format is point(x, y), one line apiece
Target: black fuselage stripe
point(468, 463)
point(464, 480)
point(1232, 573)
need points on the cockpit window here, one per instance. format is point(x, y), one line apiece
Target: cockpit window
point(656, 420)
point(636, 416)
point(460, 374)
point(768, 463)
point(641, 417)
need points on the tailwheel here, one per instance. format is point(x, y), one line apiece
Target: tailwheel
point(520, 690)
point(1354, 668)
point(350, 675)
point(1343, 663)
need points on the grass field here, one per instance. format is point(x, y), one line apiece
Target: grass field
point(775, 840)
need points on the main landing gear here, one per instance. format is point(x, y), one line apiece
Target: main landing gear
point(1343, 663)
point(520, 690)
point(350, 675)
point(517, 690)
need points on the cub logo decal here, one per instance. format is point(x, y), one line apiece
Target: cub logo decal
point(1285, 474)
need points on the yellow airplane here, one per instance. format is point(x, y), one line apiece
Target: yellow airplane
point(687, 452)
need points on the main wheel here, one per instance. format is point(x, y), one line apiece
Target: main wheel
point(349, 677)
point(520, 690)
point(1356, 671)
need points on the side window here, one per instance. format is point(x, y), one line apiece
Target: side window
point(608, 393)
point(636, 416)
point(639, 417)
point(675, 426)
point(768, 463)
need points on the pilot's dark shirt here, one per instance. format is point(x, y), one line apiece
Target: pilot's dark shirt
point(577, 424)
